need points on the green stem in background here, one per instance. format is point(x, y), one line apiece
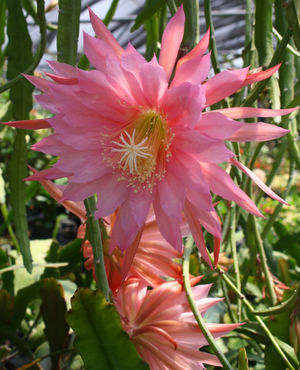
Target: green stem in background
point(275, 60)
point(39, 53)
point(283, 307)
point(289, 47)
point(263, 261)
point(172, 7)
point(279, 206)
point(5, 215)
point(191, 26)
point(227, 280)
point(95, 239)
point(227, 301)
point(187, 286)
point(235, 257)
point(276, 164)
point(212, 41)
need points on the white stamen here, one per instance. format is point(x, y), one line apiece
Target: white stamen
point(131, 150)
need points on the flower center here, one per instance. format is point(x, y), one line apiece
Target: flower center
point(140, 149)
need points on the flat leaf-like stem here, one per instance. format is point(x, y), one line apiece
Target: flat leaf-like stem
point(100, 339)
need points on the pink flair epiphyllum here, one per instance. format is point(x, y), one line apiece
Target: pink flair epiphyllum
point(149, 258)
point(133, 136)
point(162, 327)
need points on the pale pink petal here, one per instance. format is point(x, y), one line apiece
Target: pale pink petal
point(111, 194)
point(40, 83)
point(172, 195)
point(191, 141)
point(171, 41)
point(168, 226)
point(62, 69)
point(62, 79)
point(197, 52)
point(222, 184)
point(132, 60)
point(92, 81)
point(48, 102)
point(56, 194)
point(154, 81)
point(249, 112)
point(216, 125)
point(96, 51)
point(260, 76)
point(129, 256)
point(48, 174)
point(194, 71)
point(49, 145)
point(257, 131)
point(127, 220)
point(140, 203)
point(77, 191)
point(196, 230)
point(257, 181)
point(201, 201)
point(31, 124)
point(216, 153)
point(188, 171)
point(224, 84)
point(95, 168)
point(103, 33)
point(208, 219)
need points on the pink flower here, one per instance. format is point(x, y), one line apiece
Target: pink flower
point(128, 133)
point(162, 327)
point(150, 257)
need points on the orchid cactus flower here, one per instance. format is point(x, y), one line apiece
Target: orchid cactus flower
point(136, 137)
point(162, 326)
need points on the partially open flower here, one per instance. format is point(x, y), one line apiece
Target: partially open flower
point(162, 327)
point(128, 133)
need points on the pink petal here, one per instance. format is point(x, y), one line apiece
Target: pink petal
point(257, 131)
point(188, 171)
point(222, 184)
point(56, 194)
point(40, 83)
point(197, 52)
point(91, 168)
point(63, 80)
point(76, 191)
point(96, 51)
point(140, 202)
point(260, 76)
point(223, 85)
point(194, 71)
point(196, 230)
point(168, 226)
point(48, 174)
point(171, 41)
point(48, 102)
point(216, 153)
point(201, 201)
point(172, 195)
point(154, 81)
point(216, 125)
point(127, 220)
point(191, 141)
point(129, 256)
point(208, 219)
point(62, 69)
point(249, 112)
point(111, 194)
point(103, 33)
point(31, 124)
point(257, 181)
point(132, 60)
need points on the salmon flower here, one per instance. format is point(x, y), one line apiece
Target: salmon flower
point(150, 258)
point(162, 327)
point(134, 136)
